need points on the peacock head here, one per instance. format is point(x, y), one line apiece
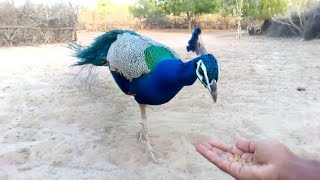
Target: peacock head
point(207, 71)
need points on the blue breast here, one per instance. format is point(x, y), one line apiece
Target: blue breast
point(160, 85)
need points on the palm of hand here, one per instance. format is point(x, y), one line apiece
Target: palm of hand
point(245, 161)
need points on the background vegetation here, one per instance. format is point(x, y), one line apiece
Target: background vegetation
point(33, 23)
point(37, 23)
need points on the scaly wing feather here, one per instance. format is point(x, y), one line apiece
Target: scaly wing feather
point(136, 55)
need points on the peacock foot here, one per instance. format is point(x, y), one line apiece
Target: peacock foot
point(151, 152)
point(141, 134)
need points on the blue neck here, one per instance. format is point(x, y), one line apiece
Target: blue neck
point(187, 72)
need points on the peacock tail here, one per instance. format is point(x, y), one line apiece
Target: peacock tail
point(126, 52)
point(96, 53)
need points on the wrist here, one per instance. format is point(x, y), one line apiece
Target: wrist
point(297, 168)
point(288, 168)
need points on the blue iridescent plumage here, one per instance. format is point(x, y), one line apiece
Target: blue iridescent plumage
point(193, 42)
point(150, 71)
point(160, 86)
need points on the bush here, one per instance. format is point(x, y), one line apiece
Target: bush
point(36, 24)
point(306, 25)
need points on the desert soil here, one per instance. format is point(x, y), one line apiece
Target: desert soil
point(56, 125)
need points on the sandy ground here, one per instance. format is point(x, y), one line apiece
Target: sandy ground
point(52, 126)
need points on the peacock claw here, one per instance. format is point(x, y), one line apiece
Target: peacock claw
point(140, 136)
point(151, 152)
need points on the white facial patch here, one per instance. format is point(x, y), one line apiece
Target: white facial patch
point(200, 77)
point(218, 68)
point(201, 65)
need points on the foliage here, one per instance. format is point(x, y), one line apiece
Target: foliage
point(295, 20)
point(192, 7)
point(147, 9)
point(226, 7)
point(260, 9)
point(266, 8)
point(103, 8)
point(107, 11)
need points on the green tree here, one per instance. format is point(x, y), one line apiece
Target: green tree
point(265, 9)
point(260, 9)
point(103, 8)
point(190, 8)
point(141, 8)
point(226, 7)
point(149, 9)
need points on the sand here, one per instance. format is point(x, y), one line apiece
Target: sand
point(56, 126)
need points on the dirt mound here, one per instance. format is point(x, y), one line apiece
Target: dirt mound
point(281, 27)
point(312, 23)
point(309, 28)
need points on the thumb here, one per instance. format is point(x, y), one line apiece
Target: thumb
point(246, 146)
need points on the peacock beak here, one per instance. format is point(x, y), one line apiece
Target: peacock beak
point(213, 91)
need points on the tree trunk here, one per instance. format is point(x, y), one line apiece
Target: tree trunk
point(189, 21)
point(75, 33)
point(13, 4)
point(239, 30)
point(239, 11)
point(140, 23)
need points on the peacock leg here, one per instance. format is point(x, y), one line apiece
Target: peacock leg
point(141, 133)
point(144, 132)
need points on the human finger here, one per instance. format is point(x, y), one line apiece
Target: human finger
point(214, 157)
point(213, 148)
point(247, 157)
point(246, 146)
point(236, 150)
point(220, 145)
point(239, 170)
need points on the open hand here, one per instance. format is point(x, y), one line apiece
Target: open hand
point(248, 159)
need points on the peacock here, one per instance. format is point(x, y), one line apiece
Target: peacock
point(150, 71)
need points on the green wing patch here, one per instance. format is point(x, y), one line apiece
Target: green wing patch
point(155, 54)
